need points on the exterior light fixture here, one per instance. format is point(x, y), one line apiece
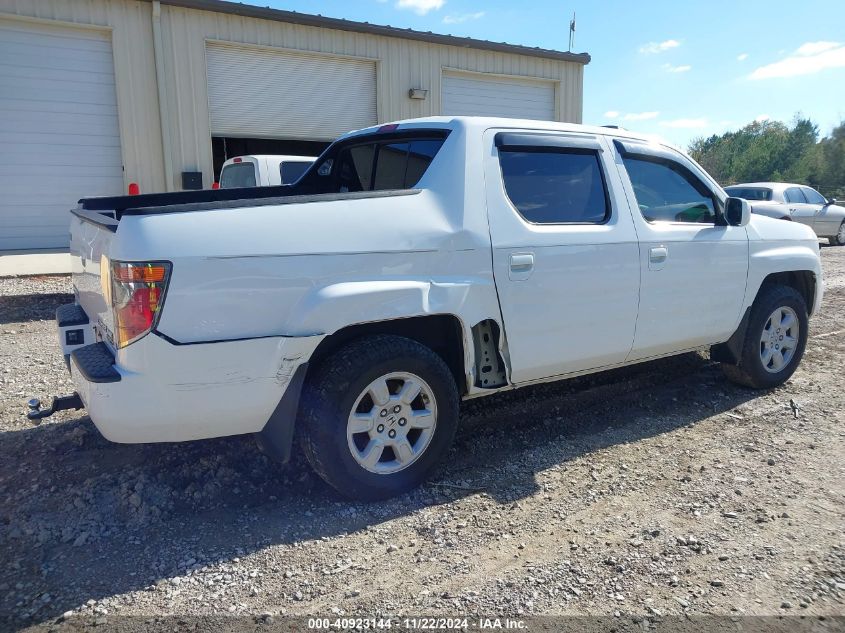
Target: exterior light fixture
point(417, 93)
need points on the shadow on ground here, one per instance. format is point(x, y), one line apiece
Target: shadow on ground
point(33, 307)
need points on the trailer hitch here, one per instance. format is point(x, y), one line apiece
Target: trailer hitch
point(60, 403)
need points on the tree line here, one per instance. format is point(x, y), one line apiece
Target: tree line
point(774, 151)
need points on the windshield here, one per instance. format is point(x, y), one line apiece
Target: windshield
point(750, 193)
point(237, 175)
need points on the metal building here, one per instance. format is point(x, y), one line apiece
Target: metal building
point(97, 94)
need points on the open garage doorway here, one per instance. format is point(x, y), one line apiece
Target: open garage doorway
point(224, 148)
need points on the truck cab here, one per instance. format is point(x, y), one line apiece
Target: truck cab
point(263, 170)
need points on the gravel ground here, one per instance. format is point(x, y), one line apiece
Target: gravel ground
point(654, 490)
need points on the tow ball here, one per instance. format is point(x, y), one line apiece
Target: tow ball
point(60, 403)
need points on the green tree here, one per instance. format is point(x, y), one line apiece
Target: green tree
point(772, 150)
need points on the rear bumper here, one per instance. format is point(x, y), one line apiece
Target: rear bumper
point(155, 391)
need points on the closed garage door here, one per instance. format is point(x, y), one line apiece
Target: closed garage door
point(262, 93)
point(58, 130)
point(474, 95)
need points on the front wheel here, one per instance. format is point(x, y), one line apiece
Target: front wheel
point(377, 416)
point(774, 341)
point(839, 238)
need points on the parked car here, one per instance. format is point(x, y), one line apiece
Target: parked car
point(413, 265)
point(799, 203)
point(263, 170)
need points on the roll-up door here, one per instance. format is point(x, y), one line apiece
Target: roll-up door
point(467, 94)
point(262, 93)
point(58, 129)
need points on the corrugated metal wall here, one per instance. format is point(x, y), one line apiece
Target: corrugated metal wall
point(131, 34)
point(402, 64)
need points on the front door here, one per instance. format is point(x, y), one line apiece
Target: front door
point(565, 255)
point(827, 219)
point(694, 269)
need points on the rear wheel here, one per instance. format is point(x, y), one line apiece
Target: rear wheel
point(774, 341)
point(839, 238)
point(377, 416)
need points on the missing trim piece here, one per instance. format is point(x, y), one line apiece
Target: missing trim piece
point(489, 367)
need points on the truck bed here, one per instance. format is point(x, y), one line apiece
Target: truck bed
point(119, 204)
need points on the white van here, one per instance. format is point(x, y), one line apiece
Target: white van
point(263, 170)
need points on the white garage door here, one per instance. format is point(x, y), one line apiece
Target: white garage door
point(473, 95)
point(59, 134)
point(262, 93)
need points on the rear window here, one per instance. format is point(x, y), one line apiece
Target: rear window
point(237, 175)
point(291, 171)
point(556, 187)
point(376, 163)
point(794, 195)
point(750, 193)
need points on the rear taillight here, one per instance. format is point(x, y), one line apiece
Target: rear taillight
point(137, 297)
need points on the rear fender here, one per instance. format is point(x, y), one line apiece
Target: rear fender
point(331, 308)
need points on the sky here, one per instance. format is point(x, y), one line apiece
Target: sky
point(680, 69)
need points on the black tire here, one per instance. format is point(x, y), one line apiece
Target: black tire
point(834, 239)
point(750, 371)
point(332, 390)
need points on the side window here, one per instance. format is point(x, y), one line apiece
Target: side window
point(667, 191)
point(291, 171)
point(813, 196)
point(794, 195)
point(550, 186)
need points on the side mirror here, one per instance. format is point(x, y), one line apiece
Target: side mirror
point(831, 201)
point(737, 211)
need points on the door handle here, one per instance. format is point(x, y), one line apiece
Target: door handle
point(521, 266)
point(522, 263)
point(658, 254)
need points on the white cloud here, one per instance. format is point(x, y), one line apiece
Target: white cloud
point(742, 57)
point(685, 123)
point(762, 117)
point(669, 68)
point(611, 114)
point(814, 48)
point(640, 116)
point(465, 17)
point(659, 47)
point(420, 7)
point(808, 59)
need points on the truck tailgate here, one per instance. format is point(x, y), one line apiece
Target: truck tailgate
point(91, 235)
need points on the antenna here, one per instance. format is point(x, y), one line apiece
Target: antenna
point(572, 32)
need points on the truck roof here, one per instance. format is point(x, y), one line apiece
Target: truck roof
point(274, 157)
point(479, 123)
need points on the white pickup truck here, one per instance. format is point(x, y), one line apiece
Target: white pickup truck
point(413, 265)
point(263, 170)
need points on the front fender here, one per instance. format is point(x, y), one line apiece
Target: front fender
point(770, 257)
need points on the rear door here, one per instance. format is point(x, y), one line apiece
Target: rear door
point(799, 209)
point(693, 270)
point(565, 255)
